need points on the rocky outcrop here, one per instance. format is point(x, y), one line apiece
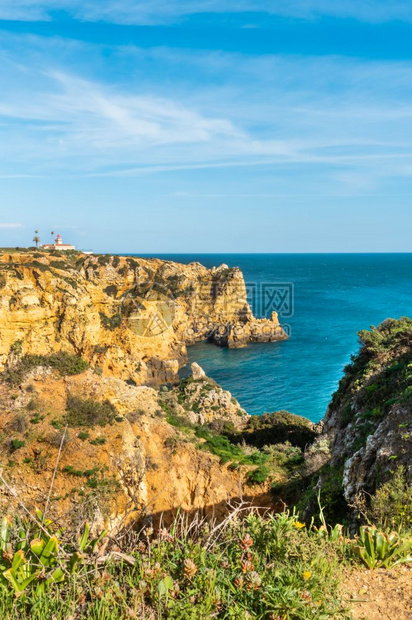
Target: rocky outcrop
point(368, 425)
point(202, 401)
point(143, 458)
point(132, 318)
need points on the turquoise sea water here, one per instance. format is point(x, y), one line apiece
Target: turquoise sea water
point(335, 296)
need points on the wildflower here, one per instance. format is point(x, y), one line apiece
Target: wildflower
point(253, 580)
point(306, 575)
point(149, 531)
point(164, 535)
point(246, 542)
point(190, 568)
point(247, 566)
point(239, 582)
point(298, 525)
point(305, 595)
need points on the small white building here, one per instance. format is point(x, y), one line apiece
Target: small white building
point(58, 245)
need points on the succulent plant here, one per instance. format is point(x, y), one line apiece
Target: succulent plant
point(41, 560)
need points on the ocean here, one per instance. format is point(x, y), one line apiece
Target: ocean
point(323, 300)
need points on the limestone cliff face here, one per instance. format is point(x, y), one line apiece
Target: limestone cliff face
point(368, 425)
point(138, 463)
point(130, 317)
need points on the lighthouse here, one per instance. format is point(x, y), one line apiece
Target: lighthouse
point(58, 245)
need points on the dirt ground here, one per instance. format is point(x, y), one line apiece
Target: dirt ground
point(380, 594)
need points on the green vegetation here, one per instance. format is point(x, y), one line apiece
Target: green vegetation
point(89, 412)
point(88, 473)
point(111, 322)
point(98, 441)
point(64, 363)
point(111, 290)
point(391, 506)
point(377, 549)
point(377, 384)
point(277, 427)
point(281, 459)
point(16, 444)
point(385, 357)
point(251, 566)
point(261, 567)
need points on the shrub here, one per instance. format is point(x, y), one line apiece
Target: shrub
point(391, 506)
point(98, 441)
point(16, 444)
point(277, 427)
point(64, 363)
point(88, 412)
point(259, 475)
point(111, 322)
point(33, 404)
point(19, 423)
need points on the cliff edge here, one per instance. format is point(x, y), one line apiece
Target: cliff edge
point(129, 317)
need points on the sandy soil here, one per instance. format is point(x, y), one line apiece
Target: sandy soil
point(380, 594)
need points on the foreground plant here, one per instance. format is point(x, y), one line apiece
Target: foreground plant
point(376, 549)
point(36, 557)
point(249, 566)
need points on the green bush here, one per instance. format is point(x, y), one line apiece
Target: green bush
point(391, 506)
point(16, 444)
point(64, 363)
point(111, 322)
point(98, 441)
point(259, 475)
point(88, 412)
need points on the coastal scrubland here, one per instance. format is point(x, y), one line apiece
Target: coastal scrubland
point(128, 492)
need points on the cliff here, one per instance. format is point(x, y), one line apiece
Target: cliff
point(122, 452)
point(132, 318)
point(367, 428)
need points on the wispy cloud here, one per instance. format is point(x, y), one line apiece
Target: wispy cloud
point(9, 225)
point(156, 111)
point(171, 11)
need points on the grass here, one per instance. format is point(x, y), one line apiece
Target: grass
point(249, 566)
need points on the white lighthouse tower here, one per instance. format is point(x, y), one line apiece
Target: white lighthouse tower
point(58, 245)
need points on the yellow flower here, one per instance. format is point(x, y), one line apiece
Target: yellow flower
point(307, 575)
point(298, 525)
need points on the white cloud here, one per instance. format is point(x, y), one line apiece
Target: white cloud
point(169, 11)
point(9, 225)
point(153, 111)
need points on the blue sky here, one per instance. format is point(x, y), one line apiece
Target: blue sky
point(207, 126)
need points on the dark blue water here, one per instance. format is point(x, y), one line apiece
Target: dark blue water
point(335, 296)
